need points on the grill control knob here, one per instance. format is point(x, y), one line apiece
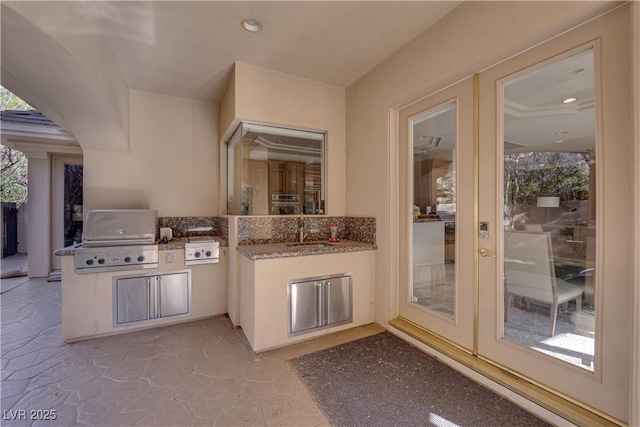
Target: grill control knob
point(140, 258)
point(127, 259)
point(208, 253)
point(89, 262)
point(101, 261)
point(197, 254)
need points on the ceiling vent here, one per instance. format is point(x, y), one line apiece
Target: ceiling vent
point(424, 142)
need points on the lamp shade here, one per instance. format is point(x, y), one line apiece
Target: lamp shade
point(548, 202)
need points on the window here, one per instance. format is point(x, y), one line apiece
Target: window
point(275, 171)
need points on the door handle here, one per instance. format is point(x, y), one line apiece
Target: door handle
point(485, 253)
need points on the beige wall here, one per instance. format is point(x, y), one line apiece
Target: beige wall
point(470, 38)
point(39, 237)
point(271, 97)
point(172, 165)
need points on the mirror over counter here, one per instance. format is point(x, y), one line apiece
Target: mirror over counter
point(275, 171)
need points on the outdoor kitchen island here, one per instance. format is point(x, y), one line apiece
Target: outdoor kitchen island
point(116, 285)
point(290, 292)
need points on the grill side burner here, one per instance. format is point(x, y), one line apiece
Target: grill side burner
point(201, 250)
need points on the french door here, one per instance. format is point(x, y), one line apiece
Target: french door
point(537, 278)
point(437, 186)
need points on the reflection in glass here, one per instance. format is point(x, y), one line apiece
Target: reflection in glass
point(275, 171)
point(434, 210)
point(549, 210)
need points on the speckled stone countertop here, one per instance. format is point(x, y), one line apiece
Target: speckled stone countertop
point(173, 244)
point(178, 243)
point(281, 250)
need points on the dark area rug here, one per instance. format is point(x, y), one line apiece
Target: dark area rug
point(381, 380)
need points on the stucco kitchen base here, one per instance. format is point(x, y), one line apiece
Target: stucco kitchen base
point(87, 300)
point(263, 290)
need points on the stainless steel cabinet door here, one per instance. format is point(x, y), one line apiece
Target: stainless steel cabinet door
point(338, 303)
point(174, 294)
point(304, 302)
point(132, 299)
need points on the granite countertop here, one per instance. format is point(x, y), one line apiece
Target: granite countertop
point(173, 244)
point(282, 250)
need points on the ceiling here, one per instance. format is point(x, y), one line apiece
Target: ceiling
point(187, 49)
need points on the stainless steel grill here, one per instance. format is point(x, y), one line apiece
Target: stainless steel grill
point(115, 240)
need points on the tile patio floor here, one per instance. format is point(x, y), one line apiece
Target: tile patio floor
point(197, 373)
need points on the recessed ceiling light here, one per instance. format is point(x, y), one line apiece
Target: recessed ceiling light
point(559, 141)
point(562, 132)
point(569, 100)
point(422, 137)
point(252, 25)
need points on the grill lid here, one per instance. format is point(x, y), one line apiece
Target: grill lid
point(116, 227)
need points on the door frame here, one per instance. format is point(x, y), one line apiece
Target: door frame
point(635, 374)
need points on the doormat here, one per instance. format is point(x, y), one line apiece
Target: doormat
point(381, 380)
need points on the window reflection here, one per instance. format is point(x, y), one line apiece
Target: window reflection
point(549, 209)
point(434, 210)
point(275, 171)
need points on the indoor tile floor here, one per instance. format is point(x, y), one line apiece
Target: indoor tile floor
point(197, 373)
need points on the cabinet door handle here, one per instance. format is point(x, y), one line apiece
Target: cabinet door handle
point(319, 304)
point(328, 297)
point(150, 315)
point(158, 296)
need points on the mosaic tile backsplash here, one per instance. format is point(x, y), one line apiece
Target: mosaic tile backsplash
point(276, 229)
point(183, 226)
point(281, 229)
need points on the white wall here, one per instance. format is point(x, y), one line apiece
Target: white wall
point(172, 164)
point(470, 38)
point(272, 97)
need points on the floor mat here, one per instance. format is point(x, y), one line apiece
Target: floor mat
point(383, 381)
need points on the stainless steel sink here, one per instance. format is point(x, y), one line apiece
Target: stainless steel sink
point(310, 245)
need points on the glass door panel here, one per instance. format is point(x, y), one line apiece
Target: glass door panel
point(549, 205)
point(554, 181)
point(434, 209)
point(437, 254)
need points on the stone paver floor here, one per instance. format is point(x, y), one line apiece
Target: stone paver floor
point(197, 373)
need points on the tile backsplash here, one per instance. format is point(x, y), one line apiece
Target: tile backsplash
point(279, 229)
point(275, 229)
point(184, 226)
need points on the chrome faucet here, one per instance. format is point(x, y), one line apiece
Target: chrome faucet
point(301, 228)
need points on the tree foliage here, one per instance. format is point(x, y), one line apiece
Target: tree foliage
point(9, 101)
point(13, 163)
point(538, 174)
point(13, 172)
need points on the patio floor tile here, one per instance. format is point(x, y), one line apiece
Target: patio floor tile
point(196, 373)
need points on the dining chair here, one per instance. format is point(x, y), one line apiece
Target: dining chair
point(529, 273)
